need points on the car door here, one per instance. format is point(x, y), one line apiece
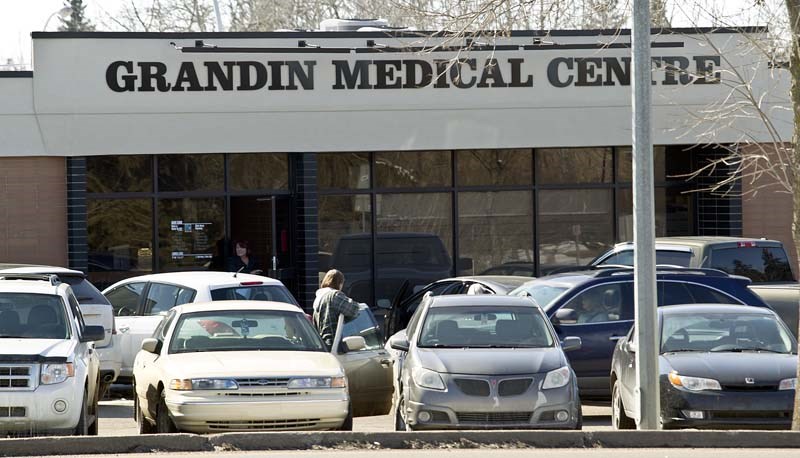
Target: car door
point(85, 351)
point(146, 371)
point(603, 314)
point(401, 313)
point(627, 374)
point(126, 299)
point(369, 371)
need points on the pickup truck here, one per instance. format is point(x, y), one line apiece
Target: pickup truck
point(763, 261)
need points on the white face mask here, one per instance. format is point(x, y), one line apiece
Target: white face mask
point(240, 251)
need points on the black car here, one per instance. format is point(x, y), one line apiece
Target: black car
point(721, 366)
point(407, 299)
point(597, 306)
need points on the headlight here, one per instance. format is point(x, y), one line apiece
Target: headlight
point(556, 378)
point(429, 379)
point(203, 384)
point(317, 382)
point(693, 383)
point(788, 384)
point(56, 373)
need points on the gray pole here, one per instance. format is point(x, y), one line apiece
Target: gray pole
point(219, 16)
point(644, 225)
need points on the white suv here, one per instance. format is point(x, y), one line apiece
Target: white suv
point(96, 311)
point(49, 369)
point(140, 303)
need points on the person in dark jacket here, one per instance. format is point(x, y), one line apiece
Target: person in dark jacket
point(330, 303)
point(243, 259)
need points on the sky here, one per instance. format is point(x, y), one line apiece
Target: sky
point(19, 17)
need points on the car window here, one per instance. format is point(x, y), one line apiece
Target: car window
point(160, 298)
point(485, 326)
point(364, 325)
point(33, 316)
point(624, 258)
point(760, 264)
point(541, 292)
point(275, 293)
point(705, 295)
point(411, 304)
point(414, 322)
point(125, 298)
point(672, 293)
point(724, 332)
point(185, 296)
point(76, 314)
point(601, 303)
point(163, 326)
point(665, 257)
point(84, 291)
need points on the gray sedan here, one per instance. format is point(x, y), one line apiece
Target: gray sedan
point(478, 362)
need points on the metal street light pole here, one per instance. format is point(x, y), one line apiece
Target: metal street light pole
point(63, 13)
point(648, 396)
point(218, 15)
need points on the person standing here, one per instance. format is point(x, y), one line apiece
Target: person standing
point(330, 302)
point(243, 259)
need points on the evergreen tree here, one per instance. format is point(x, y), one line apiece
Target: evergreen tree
point(77, 21)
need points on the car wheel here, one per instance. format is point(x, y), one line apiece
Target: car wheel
point(164, 423)
point(348, 422)
point(579, 423)
point(95, 413)
point(399, 421)
point(82, 429)
point(144, 426)
point(618, 417)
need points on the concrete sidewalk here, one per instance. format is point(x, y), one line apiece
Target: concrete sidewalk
point(416, 440)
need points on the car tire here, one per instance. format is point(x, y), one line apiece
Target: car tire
point(348, 422)
point(164, 423)
point(399, 422)
point(82, 428)
point(619, 420)
point(579, 423)
point(94, 427)
point(143, 425)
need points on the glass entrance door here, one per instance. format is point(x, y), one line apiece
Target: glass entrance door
point(261, 224)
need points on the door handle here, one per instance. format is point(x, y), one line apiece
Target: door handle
point(616, 338)
point(386, 362)
point(124, 329)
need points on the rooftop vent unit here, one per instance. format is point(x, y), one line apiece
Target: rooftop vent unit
point(352, 25)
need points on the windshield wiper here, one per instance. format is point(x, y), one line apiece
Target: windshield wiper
point(683, 350)
point(742, 350)
point(9, 336)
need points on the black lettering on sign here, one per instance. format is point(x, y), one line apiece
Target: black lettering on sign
point(456, 72)
point(491, 71)
point(413, 81)
point(516, 74)
point(347, 78)
point(553, 69)
point(187, 75)
point(676, 70)
point(588, 74)
point(222, 77)
point(441, 72)
point(705, 69)
point(245, 72)
point(617, 72)
point(128, 80)
point(153, 72)
point(306, 77)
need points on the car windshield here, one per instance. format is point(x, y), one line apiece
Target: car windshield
point(541, 292)
point(244, 330)
point(32, 316)
point(275, 293)
point(485, 327)
point(724, 332)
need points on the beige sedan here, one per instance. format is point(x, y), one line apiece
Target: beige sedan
point(240, 366)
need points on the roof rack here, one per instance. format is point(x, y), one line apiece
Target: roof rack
point(662, 269)
point(51, 278)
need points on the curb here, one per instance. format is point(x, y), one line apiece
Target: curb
point(43, 446)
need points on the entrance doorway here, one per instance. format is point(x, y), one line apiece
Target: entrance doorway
point(264, 222)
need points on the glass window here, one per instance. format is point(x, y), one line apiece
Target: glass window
point(119, 174)
point(705, 295)
point(724, 332)
point(414, 241)
point(574, 165)
point(413, 169)
point(625, 164)
point(190, 172)
point(188, 232)
point(345, 242)
point(273, 293)
point(85, 292)
point(486, 326)
point(601, 304)
point(32, 316)
point(494, 167)
point(673, 213)
point(160, 298)
point(672, 293)
point(495, 229)
point(575, 226)
point(542, 292)
point(364, 325)
point(258, 171)
point(244, 330)
point(120, 239)
point(125, 298)
point(343, 171)
point(760, 264)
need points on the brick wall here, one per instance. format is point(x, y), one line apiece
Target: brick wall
point(33, 210)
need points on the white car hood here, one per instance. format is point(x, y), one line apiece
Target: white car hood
point(42, 348)
point(243, 364)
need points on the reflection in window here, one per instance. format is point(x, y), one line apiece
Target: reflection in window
point(345, 242)
point(413, 169)
point(574, 165)
point(106, 174)
point(258, 171)
point(120, 239)
point(494, 167)
point(625, 164)
point(188, 231)
point(495, 229)
point(575, 226)
point(414, 241)
point(343, 171)
point(673, 213)
point(190, 172)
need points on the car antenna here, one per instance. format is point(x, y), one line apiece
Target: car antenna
point(237, 272)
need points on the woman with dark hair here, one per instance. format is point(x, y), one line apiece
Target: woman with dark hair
point(243, 259)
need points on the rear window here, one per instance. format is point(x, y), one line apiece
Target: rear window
point(273, 293)
point(84, 291)
point(673, 258)
point(759, 264)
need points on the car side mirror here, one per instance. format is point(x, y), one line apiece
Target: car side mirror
point(151, 345)
point(565, 316)
point(93, 334)
point(354, 343)
point(399, 343)
point(571, 344)
point(385, 304)
point(629, 346)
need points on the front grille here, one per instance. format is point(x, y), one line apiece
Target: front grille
point(263, 424)
point(262, 382)
point(16, 377)
point(749, 388)
point(514, 387)
point(12, 412)
point(494, 417)
point(750, 414)
point(473, 387)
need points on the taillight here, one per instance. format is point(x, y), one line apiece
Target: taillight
point(746, 244)
point(251, 283)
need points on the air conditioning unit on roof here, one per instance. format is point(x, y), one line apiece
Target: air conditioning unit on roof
point(351, 25)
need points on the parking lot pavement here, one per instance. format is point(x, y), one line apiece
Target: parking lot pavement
point(116, 418)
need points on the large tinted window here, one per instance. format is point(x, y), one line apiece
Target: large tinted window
point(190, 172)
point(413, 169)
point(105, 174)
point(188, 232)
point(84, 291)
point(258, 171)
point(273, 293)
point(760, 264)
point(32, 316)
point(486, 326)
point(160, 298)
